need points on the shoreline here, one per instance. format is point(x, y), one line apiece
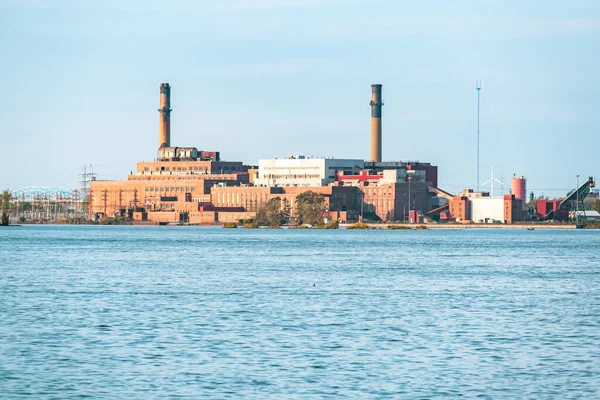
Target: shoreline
point(372, 226)
point(470, 226)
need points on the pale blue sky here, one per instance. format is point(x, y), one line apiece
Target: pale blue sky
point(269, 78)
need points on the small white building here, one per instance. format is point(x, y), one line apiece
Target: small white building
point(487, 209)
point(589, 215)
point(302, 171)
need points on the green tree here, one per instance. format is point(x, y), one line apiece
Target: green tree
point(274, 213)
point(261, 216)
point(5, 207)
point(310, 207)
point(596, 206)
point(270, 214)
point(286, 209)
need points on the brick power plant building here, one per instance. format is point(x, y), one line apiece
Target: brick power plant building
point(187, 185)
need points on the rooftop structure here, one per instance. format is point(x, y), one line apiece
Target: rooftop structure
point(165, 151)
point(431, 171)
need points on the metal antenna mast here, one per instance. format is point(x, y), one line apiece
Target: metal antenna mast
point(478, 87)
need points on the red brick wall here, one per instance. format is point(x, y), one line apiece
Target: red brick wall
point(163, 216)
point(460, 209)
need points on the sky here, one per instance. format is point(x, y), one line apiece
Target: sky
point(272, 78)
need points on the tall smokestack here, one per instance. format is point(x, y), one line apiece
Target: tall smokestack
point(164, 124)
point(376, 104)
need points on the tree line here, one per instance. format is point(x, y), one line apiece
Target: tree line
point(310, 208)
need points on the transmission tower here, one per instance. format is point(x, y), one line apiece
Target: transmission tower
point(86, 178)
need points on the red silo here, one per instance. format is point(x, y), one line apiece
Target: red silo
point(519, 190)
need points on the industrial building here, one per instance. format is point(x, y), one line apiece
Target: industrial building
point(389, 192)
point(173, 189)
point(559, 209)
point(505, 209)
point(479, 207)
point(187, 185)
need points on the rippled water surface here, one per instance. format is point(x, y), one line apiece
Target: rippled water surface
point(190, 312)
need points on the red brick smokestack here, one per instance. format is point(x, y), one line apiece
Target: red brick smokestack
point(164, 122)
point(376, 104)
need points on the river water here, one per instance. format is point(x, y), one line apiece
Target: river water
point(204, 312)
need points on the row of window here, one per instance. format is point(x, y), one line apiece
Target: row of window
point(171, 189)
point(194, 168)
point(237, 199)
point(376, 192)
point(172, 178)
point(284, 177)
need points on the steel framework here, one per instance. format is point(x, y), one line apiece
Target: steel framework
point(43, 193)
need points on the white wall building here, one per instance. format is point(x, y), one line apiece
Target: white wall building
point(302, 171)
point(487, 209)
